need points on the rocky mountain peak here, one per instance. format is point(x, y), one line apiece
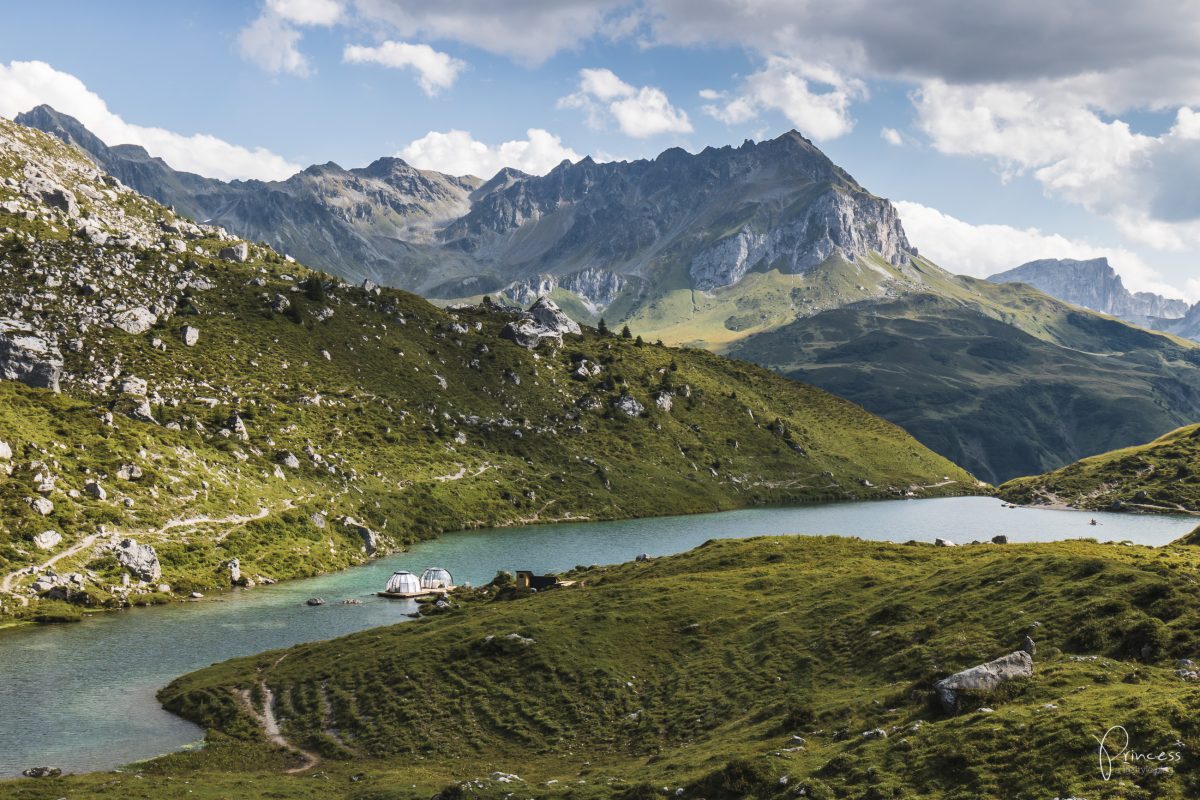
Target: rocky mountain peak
point(1094, 284)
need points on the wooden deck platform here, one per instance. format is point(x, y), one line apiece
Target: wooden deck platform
point(416, 595)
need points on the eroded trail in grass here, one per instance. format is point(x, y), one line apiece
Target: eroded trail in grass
point(265, 717)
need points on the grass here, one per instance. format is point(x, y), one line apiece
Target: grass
point(1157, 476)
point(698, 671)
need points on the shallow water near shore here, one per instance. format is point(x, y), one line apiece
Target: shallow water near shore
point(81, 696)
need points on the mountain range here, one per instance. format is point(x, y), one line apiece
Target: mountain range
point(768, 251)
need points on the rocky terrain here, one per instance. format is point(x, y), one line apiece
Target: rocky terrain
point(1095, 284)
point(776, 667)
point(184, 410)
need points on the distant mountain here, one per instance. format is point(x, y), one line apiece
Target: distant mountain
point(767, 251)
point(374, 222)
point(1095, 284)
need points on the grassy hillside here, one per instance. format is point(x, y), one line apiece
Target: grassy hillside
point(305, 401)
point(747, 668)
point(1158, 476)
point(1002, 379)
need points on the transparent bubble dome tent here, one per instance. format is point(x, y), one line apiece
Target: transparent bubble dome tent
point(436, 578)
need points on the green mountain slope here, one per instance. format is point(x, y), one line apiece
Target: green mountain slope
point(764, 668)
point(311, 423)
point(1159, 476)
point(1000, 378)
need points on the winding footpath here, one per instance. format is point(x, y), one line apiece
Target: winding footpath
point(9, 581)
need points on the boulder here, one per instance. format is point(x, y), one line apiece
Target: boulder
point(370, 538)
point(42, 772)
point(943, 543)
point(140, 559)
point(47, 540)
point(42, 506)
point(235, 571)
point(1029, 646)
point(239, 252)
point(528, 334)
point(289, 460)
point(190, 335)
point(1001, 539)
point(628, 406)
point(129, 472)
point(665, 401)
point(5, 451)
point(28, 357)
point(984, 678)
point(95, 490)
point(52, 194)
point(134, 386)
point(135, 320)
point(280, 304)
point(546, 313)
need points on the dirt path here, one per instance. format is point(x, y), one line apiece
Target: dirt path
point(265, 717)
point(233, 520)
point(6, 583)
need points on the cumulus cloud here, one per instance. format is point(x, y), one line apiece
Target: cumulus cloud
point(272, 40)
point(814, 97)
point(530, 31)
point(891, 136)
point(25, 84)
point(307, 12)
point(458, 153)
point(638, 112)
point(1146, 185)
point(271, 43)
point(435, 70)
point(983, 250)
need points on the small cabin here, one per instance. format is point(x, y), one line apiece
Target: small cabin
point(436, 578)
point(403, 583)
point(527, 580)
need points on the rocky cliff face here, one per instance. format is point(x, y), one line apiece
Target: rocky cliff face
point(781, 204)
point(1094, 284)
point(838, 223)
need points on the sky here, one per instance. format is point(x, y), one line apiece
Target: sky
point(1004, 132)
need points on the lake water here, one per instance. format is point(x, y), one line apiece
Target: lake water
point(81, 696)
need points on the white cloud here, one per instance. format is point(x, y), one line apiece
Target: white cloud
point(25, 84)
point(891, 136)
point(307, 12)
point(435, 70)
point(530, 31)
point(271, 43)
point(639, 113)
point(983, 250)
point(1145, 185)
point(458, 153)
point(814, 97)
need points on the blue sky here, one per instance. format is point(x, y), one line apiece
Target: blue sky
point(1003, 148)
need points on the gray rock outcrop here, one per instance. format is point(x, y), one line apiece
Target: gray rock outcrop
point(29, 357)
point(984, 678)
point(140, 559)
point(47, 540)
point(135, 320)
